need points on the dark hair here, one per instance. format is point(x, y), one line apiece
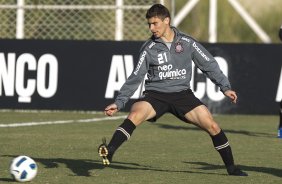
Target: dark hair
point(158, 10)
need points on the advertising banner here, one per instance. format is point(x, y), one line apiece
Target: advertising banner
point(87, 75)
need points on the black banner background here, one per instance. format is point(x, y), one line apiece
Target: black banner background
point(254, 75)
point(254, 71)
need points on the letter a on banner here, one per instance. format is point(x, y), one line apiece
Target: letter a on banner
point(121, 68)
point(116, 76)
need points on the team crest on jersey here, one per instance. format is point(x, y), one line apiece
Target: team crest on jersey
point(178, 47)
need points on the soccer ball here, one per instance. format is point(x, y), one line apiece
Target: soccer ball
point(23, 168)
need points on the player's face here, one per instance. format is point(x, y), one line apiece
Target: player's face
point(158, 26)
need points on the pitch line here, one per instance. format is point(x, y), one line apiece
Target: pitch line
point(59, 122)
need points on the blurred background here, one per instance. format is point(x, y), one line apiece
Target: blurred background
point(226, 20)
point(56, 54)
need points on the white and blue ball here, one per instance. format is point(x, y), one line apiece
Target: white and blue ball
point(23, 168)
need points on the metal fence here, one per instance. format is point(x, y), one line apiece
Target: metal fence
point(74, 19)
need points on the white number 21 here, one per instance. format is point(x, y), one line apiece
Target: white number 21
point(162, 58)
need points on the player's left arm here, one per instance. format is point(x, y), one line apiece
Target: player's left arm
point(209, 66)
point(232, 95)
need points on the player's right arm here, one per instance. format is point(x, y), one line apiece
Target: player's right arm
point(131, 84)
point(110, 110)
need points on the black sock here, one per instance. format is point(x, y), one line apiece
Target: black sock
point(221, 144)
point(122, 133)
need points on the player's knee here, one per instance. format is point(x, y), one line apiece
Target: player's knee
point(135, 117)
point(213, 129)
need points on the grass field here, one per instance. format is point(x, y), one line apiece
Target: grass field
point(166, 152)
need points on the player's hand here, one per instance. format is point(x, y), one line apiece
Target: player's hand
point(110, 110)
point(232, 95)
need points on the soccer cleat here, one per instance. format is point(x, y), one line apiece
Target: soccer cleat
point(104, 153)
point(235, 171)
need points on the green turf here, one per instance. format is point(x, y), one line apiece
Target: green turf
point(168, 151)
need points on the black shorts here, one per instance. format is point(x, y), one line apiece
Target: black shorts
point(177, 103)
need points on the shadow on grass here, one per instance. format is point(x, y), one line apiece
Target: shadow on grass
point(83, 167)
point(9, 180)
point(242, 132)
point(266, 170)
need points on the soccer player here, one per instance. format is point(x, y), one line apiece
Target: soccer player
point(280, 112)
point(166, 58)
